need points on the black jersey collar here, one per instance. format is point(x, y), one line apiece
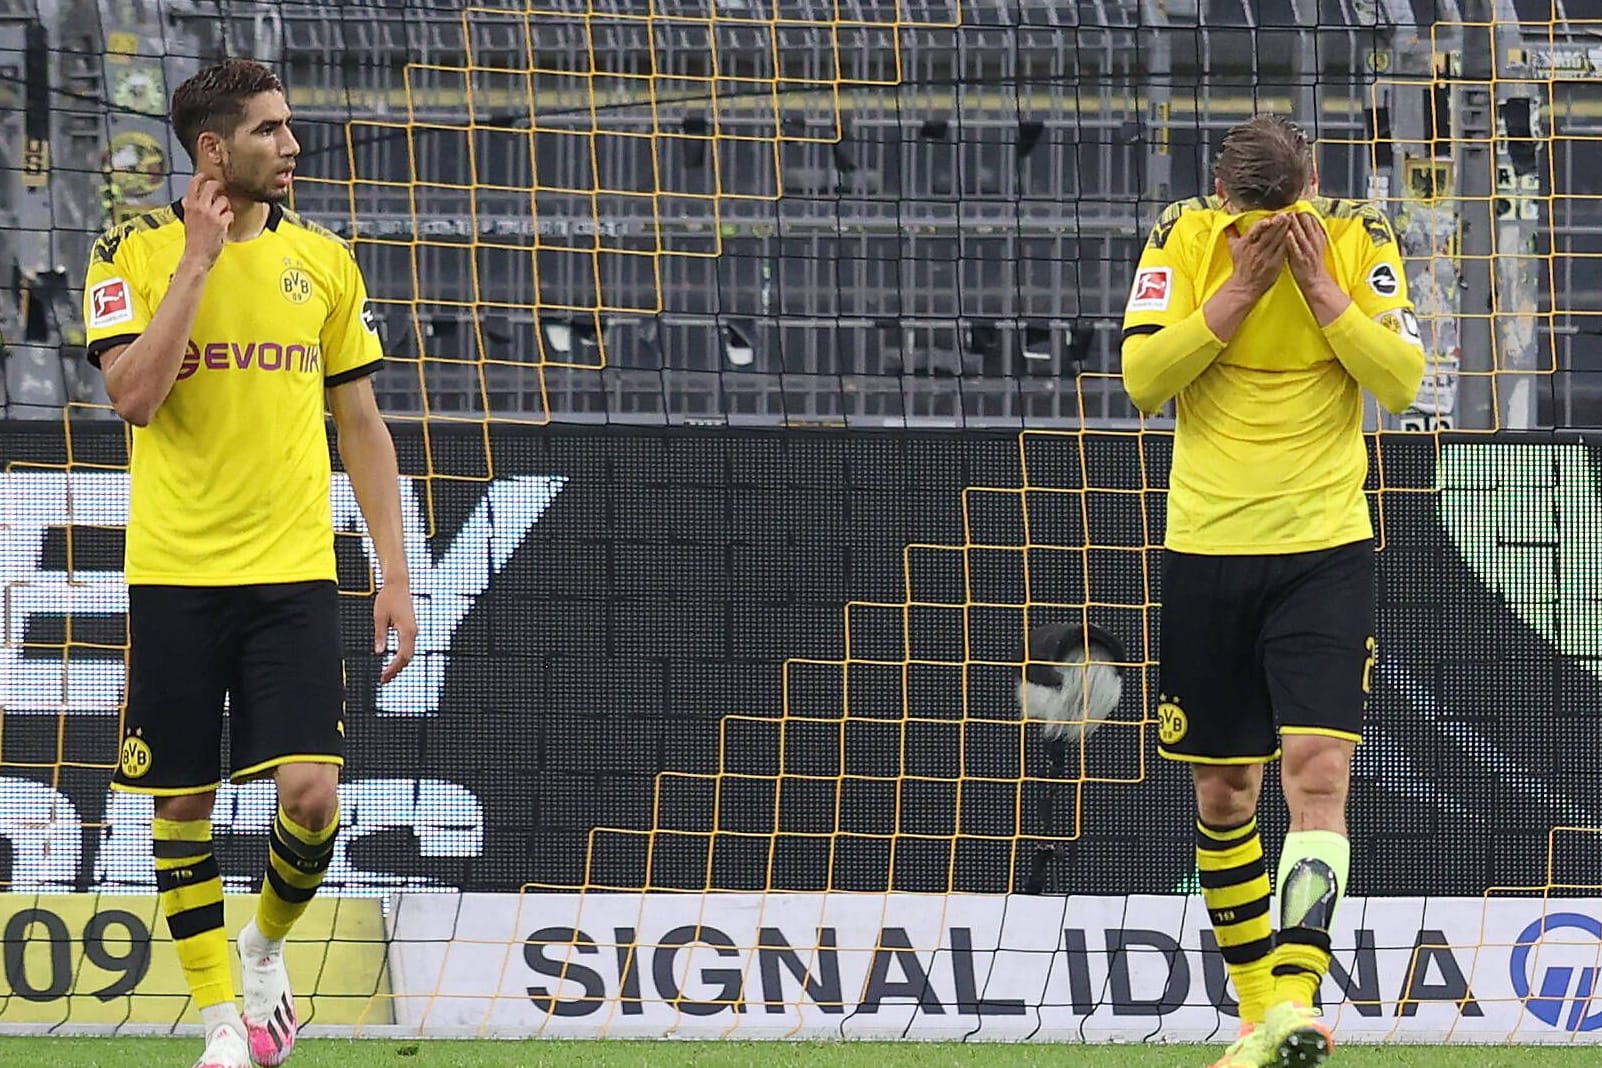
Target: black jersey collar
point(275, 213)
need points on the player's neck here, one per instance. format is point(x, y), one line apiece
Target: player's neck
point(250, 219)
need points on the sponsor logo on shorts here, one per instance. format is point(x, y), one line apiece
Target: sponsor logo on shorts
point(1153, 289)
point(136, 757)
point(110, 303)
point(251, 355)
point(1172, 726)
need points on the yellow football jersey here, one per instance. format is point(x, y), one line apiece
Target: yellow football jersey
point(1268, 446)
point(230, 481)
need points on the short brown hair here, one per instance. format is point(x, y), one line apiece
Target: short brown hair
point(214, 99)
point(1265, 163)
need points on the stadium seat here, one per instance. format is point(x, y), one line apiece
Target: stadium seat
point(35, 386)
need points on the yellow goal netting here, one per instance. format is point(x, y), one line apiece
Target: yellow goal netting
point(753, 370)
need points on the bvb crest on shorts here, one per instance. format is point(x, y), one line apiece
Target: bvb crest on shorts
point(1172, 725)
point(136, 757)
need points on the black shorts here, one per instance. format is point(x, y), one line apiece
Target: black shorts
point(1256, 646)
point(274, 650)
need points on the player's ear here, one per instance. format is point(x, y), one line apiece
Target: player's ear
point(208, 148)
point(1218, 191)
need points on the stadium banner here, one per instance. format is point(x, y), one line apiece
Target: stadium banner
point(623, 627)
point(85, 959)
point(974, 967)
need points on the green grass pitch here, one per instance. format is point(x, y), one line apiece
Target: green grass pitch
point(376, 1053)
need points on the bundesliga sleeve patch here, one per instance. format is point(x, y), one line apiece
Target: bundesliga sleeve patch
point(1153, 289)
point(1382, 280)
point(110, 303)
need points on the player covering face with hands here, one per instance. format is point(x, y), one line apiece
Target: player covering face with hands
point(1265, 312)
point(224, 325)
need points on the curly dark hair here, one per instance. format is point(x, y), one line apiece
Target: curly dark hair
point(1266, 163)
point(214, 99)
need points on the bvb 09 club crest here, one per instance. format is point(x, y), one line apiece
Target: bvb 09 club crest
point(296, 285)
point(1172, 726)
point(135, 757)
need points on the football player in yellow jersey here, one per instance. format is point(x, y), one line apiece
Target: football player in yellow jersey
point(222, 325)
point(1265, 312)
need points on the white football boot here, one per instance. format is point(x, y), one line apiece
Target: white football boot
point(270, 1021)
point(225, 1048)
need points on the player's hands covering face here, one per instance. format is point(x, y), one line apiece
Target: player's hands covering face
point(1305, 241)
point(207, 216)
point(1259, 256)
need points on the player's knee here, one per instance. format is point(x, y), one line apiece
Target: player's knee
point(311, 802)
point(313, 809)
point(1226, 794)
point(186, 808)
point(1316, 769)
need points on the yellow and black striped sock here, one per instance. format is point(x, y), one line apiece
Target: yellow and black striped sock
point(1313, 868)
point(296, 861)
point(191, 898)
point(1234, 882)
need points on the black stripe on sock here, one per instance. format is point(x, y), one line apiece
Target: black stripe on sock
point(1208, 844)
point(1305, 936)
point(1239, 914)
point(173, 849)
point(303, 855)
point(1247, 952)
point(1227, 877)
point(195, 921)
point(1227, 831)
point(1294, 969)
point(298, 855)
point(197, 873)
point(295, 895)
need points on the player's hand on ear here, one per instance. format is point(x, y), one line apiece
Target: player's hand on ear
point(207, 216)
point(392, 610)
point(1260, 255)
point(1305, 244)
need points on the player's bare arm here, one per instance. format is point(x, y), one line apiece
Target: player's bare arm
point(368, 452)
point(1388, 365)
point(139, 375)
point(1258, 257)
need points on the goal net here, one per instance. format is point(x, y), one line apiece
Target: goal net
point(753, 368)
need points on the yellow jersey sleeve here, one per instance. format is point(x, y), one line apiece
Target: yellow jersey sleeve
point(1377, 339)
point(1164, 291)
point(1379, 280)
point(351, 347)
point(116, 307)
